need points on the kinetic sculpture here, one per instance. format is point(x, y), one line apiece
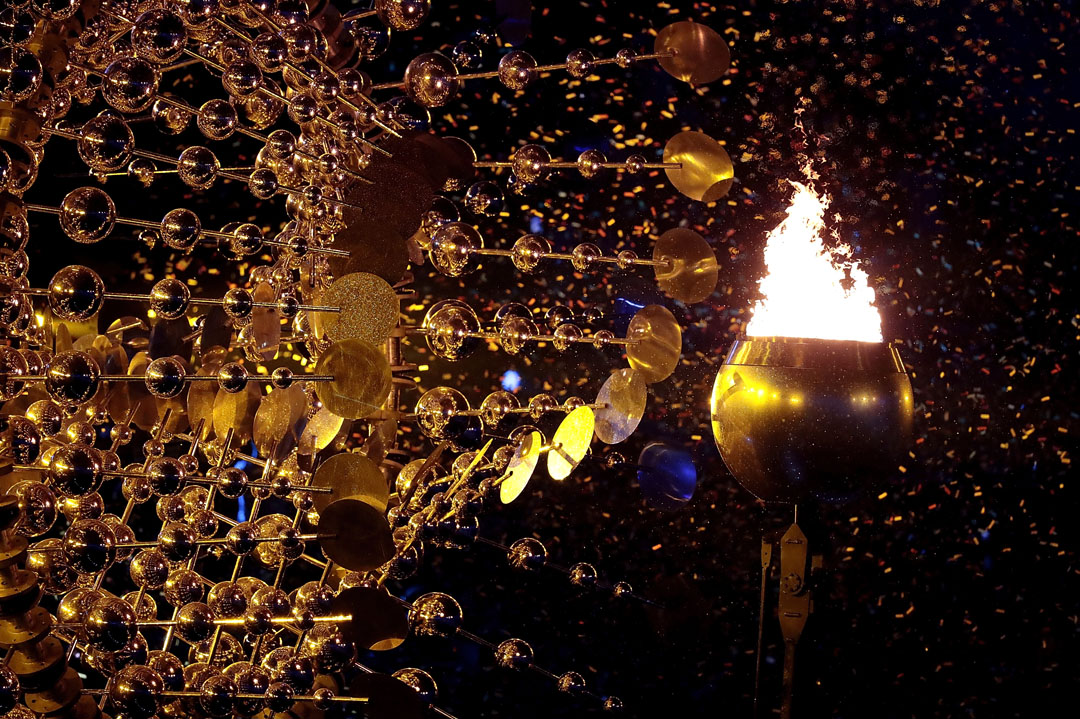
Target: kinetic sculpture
point(205, 503)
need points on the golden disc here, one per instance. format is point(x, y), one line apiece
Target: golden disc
point(521, 467)
point(350, 475)
point(236, 411)
point(369, 309)
point(355, 535)
point(623, 395)
point(417, 476)
point(116, 361)
point(379, 622)
point(277, 413)
point(216, 331)
point(706, 173)
point(657, 343)
point(392, 207)
point(200, 406)
point(571, 442)
point(388, 698)
point(700, 55)
point(201, 396)
point(690, 271)
point(361, 381)
point(318, 432)
point(178, 420)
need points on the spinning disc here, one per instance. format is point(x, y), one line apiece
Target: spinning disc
point(378, 622)
point(369, 309)
point(700, 54)
point(361, 379)
point(624, 395)
point(521, 467)
point(385, 255)
point(655, 354)
point(690, 272)
point(236, 411)
point(200, 403)
point(277, 413)
point(350, 475)
point(571, 442)
point(316, 433)
point(388, 698)
point(706, 173)
point(355, 535)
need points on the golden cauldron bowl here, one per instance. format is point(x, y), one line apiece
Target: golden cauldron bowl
point(799, 418)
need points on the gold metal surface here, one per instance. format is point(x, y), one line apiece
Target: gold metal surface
point(656, 343)
point(65, 693)
point(236, 411)
point(24, 628)
point(355, 535)
point(380, 622)
point(706, 173)
point(387, 697)
point(369, 309)
point(351, 474)
point(319, 431)
point(570, 443)
point(201, 397)
point(521, 467)
point(692, 52)
point(687, 269)
point(815, 354)
point(361, 381)
point(386, 257)
point(278, 412)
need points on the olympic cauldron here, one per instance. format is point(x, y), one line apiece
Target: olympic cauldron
point(810, 418)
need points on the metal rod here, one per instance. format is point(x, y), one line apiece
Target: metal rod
point(464, 77)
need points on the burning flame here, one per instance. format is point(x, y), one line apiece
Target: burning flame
point(810, 290)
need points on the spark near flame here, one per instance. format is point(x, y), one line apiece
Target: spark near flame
point(811, 290)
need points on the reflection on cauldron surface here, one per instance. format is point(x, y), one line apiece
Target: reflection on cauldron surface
point(798, 418)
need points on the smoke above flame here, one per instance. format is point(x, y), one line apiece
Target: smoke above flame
point(809, 289)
